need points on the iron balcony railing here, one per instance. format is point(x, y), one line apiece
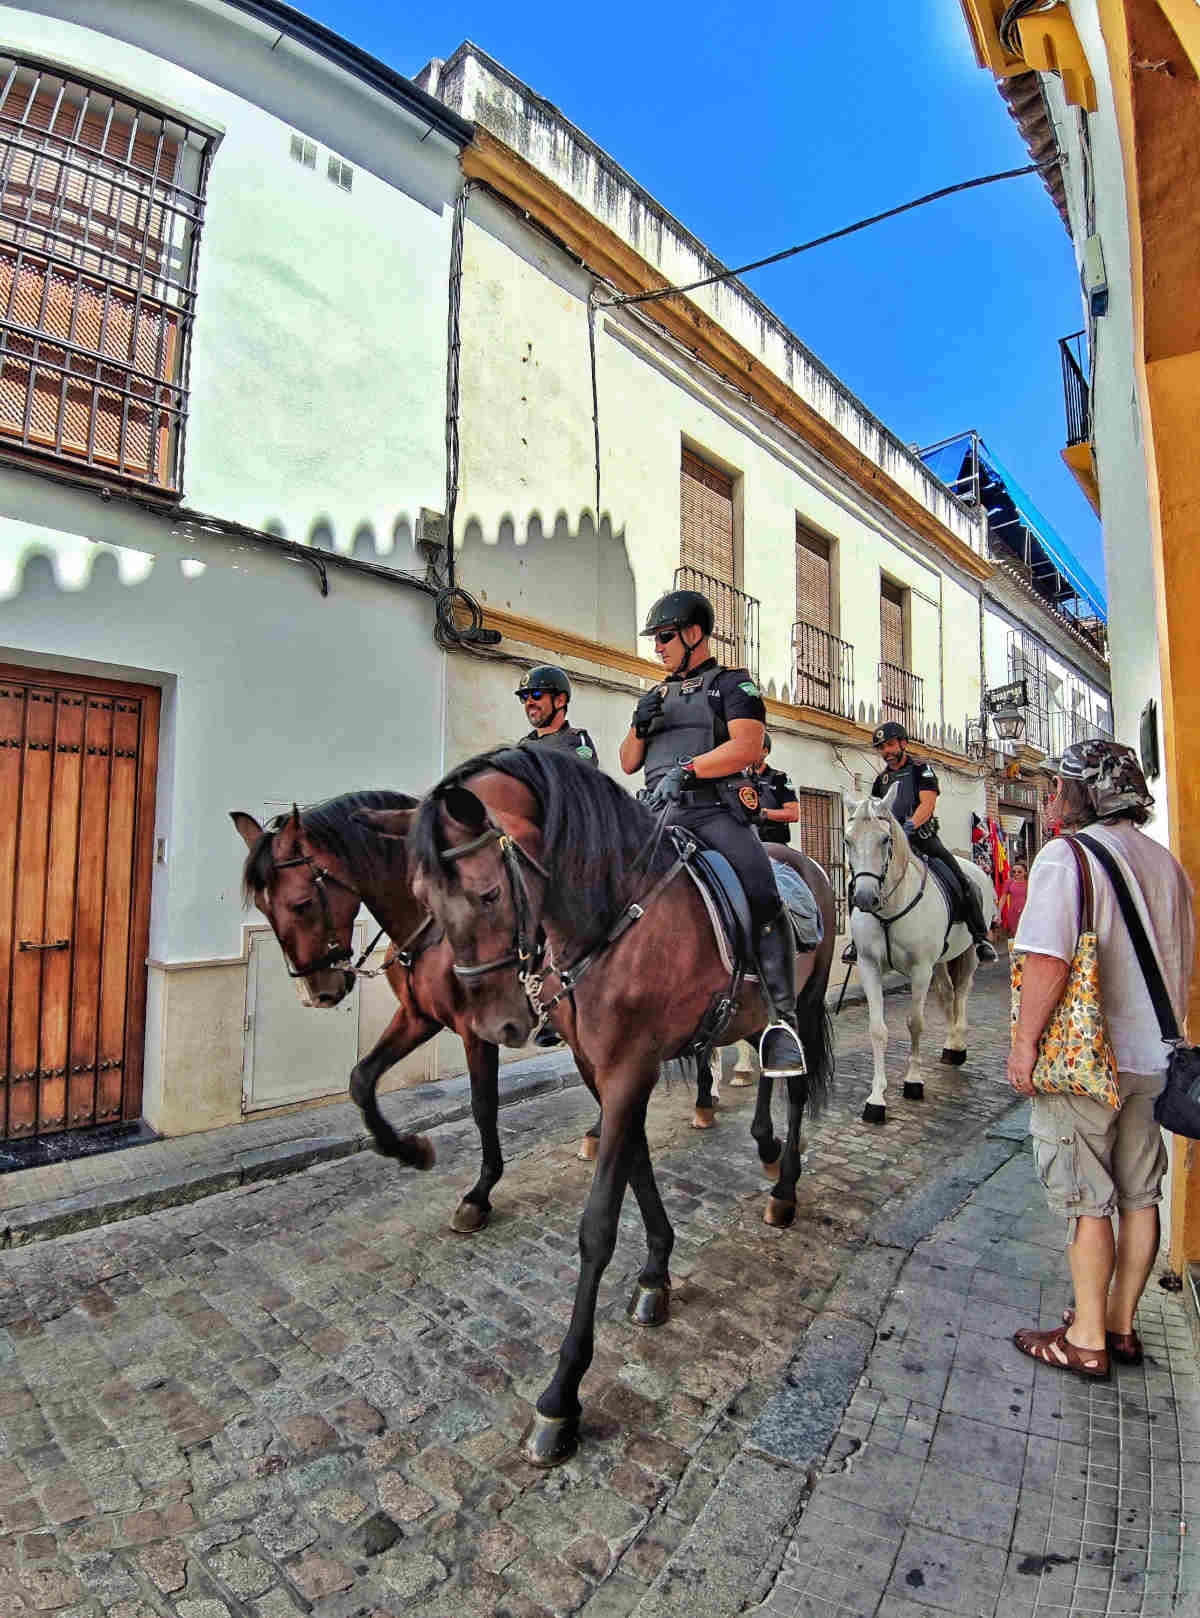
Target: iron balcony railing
point(1065, 729)
point(902, 698)
point(1076, 389)
point(735, 634)
point(823, 670)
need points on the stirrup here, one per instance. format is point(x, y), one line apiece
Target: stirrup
point(780, 1053)
point(850, 954)
point(985, 950)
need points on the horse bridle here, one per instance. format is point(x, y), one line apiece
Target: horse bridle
point(887, 922)
point(335, 954)
point(528, 949)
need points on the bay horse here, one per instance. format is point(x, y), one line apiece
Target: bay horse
point(556, 889)
point(900, 920)
point(307, 873)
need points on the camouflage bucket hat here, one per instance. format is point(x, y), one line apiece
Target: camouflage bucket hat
point(1111, 773)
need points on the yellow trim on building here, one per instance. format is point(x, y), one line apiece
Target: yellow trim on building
point(1049, 44)
point(1083, 469)
point(489, 160)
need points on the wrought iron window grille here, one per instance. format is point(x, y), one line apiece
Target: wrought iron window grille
point(902, 698)
point(101, 210)
point(823, 670)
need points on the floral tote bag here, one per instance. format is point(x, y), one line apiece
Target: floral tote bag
point(1075, 1056)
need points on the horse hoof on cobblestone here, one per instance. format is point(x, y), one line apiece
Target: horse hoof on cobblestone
point(914, 1090)
point(778, 1212)
point(469, 1217)
point(742, 1081)
point(874, 1114)
point(649, 1305)
point(702, 1118)
point(550, 1440)
point(954, 1058)
point(589, 1148)
point(771, 1170)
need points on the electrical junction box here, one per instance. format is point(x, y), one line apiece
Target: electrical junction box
point(1095, 279)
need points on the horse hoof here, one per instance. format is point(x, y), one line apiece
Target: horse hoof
point(649, 1306)
point(954, 1058)
point(914, 1090)
point(469, 1217)
point(589, 1149)
point(550, 1440)
point(778, 1212)
point(771, 1170)
point(702, 1118)
point(874, 1114)
point(742, 1081)
point(427, 1156)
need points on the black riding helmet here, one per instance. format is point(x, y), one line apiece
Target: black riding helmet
point(891, 732)
point(678, 609)
point(546, 677)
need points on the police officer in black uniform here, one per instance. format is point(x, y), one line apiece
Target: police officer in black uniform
point(914, 809)
point(545, 693)
point(778, 806)
point(694, 735)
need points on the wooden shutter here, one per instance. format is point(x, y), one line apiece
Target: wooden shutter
point(891, 623)
point(705, 519)
point(820, 831)
point(812, 579)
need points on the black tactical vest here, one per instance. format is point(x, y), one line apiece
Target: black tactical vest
point(568, 739)
point(692, 721)
point(909, 794)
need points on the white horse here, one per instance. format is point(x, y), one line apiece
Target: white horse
point(899, 921)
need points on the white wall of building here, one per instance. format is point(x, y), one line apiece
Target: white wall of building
point(1116, 424)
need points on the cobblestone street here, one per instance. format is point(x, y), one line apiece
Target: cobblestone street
point(307, 1395)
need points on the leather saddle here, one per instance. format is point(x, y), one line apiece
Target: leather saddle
point(952, 884)
point(729, 910)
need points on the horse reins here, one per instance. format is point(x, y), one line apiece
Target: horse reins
point(336, 954)
point(887, 922)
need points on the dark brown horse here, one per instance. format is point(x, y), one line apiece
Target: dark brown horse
point(308, 873)
point(553, 886)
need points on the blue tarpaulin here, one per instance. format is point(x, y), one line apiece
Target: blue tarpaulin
point(951, 462)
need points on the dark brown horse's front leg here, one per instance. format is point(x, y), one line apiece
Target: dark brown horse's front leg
point(398, 1038)
point(483, 1063)
point(763, 1130)
point(554, 1433)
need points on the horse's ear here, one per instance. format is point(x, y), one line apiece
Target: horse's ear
point(462, 805)
point(854, 805)
point(890, 796)
point(392, 825)
point(248, 828)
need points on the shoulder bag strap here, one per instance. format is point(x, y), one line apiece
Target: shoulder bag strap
point(1159, 998)
point(1087, 894)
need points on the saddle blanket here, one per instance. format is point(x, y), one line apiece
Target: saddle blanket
point(797, 896)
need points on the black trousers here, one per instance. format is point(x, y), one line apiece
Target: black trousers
point(714, 825)
point(932, 847)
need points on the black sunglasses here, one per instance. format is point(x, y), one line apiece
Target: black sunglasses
point(531, 696)
point(664, 637)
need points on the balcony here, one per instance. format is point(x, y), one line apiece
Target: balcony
point(735, 633)
point(1077, 401)
point(822, 670)
point(901, 698)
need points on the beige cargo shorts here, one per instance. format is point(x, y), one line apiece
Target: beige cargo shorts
point(1097, 1160)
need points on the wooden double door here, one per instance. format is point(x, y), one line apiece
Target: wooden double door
point(77, 770)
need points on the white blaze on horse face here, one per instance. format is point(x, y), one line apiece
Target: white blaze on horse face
point(868, 847)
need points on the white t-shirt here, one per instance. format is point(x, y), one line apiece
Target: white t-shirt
point(1161, 891)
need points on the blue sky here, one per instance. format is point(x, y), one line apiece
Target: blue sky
point(763, 127)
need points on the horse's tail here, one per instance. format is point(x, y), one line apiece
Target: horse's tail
point(816, 1038)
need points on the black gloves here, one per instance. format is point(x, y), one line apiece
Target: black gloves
point(669, 788)
point(650, 705)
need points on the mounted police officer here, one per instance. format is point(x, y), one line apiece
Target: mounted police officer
point(694, 735)
point(778, 806)
point(914, 808)
point(545, 693)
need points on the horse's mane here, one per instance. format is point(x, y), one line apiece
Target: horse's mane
point(333, 826)
point(592, 832)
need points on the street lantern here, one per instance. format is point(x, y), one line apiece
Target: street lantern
point(1009, 722)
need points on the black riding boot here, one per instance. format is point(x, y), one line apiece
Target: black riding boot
point(978, 927)
point(780, 1053)
point(850, 953)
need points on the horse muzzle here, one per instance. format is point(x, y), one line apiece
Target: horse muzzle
point(866, 900)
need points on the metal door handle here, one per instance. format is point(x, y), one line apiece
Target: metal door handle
point(59, 943)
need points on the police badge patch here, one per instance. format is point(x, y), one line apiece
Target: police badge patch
point(748, 798)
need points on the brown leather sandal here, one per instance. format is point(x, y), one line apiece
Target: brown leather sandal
point(1052, 1348)
point(1124, 1346)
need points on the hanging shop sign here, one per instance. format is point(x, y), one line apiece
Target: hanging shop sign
point(1013, 695)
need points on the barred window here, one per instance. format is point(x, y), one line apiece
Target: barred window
point(101, 203)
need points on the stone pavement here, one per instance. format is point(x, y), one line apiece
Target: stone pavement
point(306, 1395)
